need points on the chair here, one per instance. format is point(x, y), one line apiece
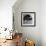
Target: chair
point(29, 43)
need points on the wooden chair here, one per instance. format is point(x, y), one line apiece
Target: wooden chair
point(29, 43)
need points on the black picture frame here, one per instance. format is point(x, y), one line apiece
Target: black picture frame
point(28, 19)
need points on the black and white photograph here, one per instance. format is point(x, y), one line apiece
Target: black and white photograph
point(28, 19)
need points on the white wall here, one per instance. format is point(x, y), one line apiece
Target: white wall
point(43, 22)
point(35, 33)
point(32, 33)
point(6, 13)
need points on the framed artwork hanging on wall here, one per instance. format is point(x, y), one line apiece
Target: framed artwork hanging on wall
point(28, 19)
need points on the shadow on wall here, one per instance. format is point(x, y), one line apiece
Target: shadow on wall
point(17, 4)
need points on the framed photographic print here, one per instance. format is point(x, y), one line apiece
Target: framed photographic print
point(28, 19)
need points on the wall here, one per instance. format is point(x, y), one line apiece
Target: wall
point(6, 13)
point(32, 33)
point(38, 33)
point(43, 22)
